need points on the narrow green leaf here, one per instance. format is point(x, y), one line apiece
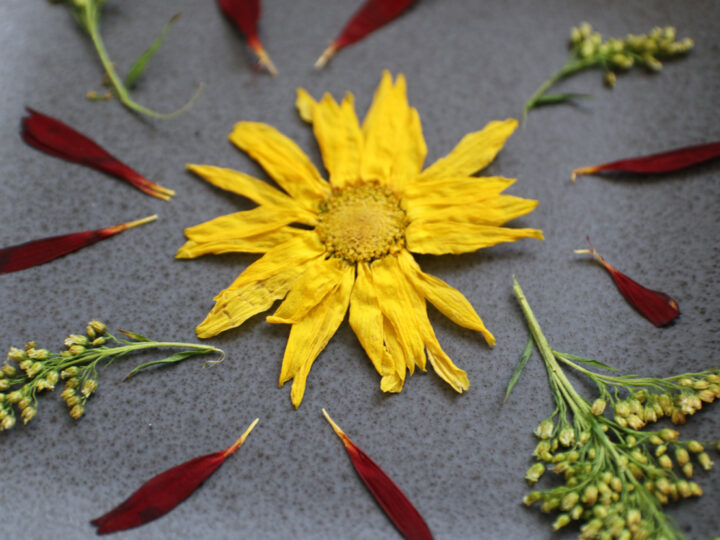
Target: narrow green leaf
point(172, 359)
point(554, 99)
point(594, 363)
point(133, 335)
point(524, 357)
point(139, 66)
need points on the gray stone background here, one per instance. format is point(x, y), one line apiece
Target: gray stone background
point(461, 459)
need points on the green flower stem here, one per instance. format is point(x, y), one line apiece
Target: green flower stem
point(90, 19)
point(572, 66)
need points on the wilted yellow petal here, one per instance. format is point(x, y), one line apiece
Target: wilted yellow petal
point(438, 238)
point(243, 184)
point(266, 280)
point(395, 149)
point(310, 336)
point(455, 190)
point(448, 300)
point(260, 243)
point(494, 211)
point(474, 151)
point(283, 160)
point(393, 294)
point(305, 105)
point(249, 223)
point(338, 134)
point(393, 382)
point(321, 277)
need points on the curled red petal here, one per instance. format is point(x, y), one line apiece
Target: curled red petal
point(657, 307)
point(246, 16)
point(663, 162)
point(388, 495)
point(162, 493)
point(56, 138)
point(372, 15)
point(35, 252)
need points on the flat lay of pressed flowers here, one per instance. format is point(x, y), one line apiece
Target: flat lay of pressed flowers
point(361, 227)
point(378, 246)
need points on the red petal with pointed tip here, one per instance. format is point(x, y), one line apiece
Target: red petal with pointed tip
point(388, 495)
point(246, 15)
point(35, 252)
point(372, 15)
point(663, 162)
point(164, 492)
point(53, 137)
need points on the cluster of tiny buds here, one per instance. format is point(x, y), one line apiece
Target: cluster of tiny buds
point(622, 54)
point(609, 502)
point(643, 408)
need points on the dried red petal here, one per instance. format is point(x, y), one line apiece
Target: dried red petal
point(663, 162)
point(372, 15)
point(159, 495)
point(246, 15)
point(53, 137)
point(388, 495)
point(657, 307)
point(35, 252)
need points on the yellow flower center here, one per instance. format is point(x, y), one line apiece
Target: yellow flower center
point(362, 223)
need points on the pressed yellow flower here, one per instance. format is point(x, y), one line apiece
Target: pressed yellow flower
point(352, 246)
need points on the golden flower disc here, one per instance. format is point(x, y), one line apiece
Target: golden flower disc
point(362, 223)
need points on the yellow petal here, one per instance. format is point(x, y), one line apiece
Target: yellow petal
point(395, 149)
point(305, 105)
point(266, 280)
point(394, 293)
point(393, 382)
point(338, 134)
point(448, 300)
point(283, 160)
point(260, 243)
point(461, 190)
point(310, 336)
point(495, 211)
point(242, 184)
point(438, 238)
point(366, 320)
point(259, 220)
point(474, 151)
point(321, 277)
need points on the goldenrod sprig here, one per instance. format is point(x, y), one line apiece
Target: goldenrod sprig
point(616, 477)
point(87, 14)
point(588, 50)
point(29, 371)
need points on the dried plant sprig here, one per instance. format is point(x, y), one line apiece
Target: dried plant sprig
point(617, 478)
point(29, 371)
point(588, 50)
point(87, 14)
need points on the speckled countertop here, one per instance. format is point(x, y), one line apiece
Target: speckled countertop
point(461, 459)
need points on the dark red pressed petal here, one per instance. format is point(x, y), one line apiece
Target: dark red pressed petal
point(663, 162)
point(56, 138)
point(159, 495)
point(246, 15)
point(657, 307)
point(388, 495)
point(372, 15)
point(35, 252)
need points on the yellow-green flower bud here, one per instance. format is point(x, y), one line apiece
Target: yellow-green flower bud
point(654, 439)
point(542, 448)
point(52, 378)
point(663, 486)
point(600, 511)
point(660, 450)
point(713, 378)
point(573, 456)
point(587, 49)
point(687, 470)
point(695, 447)
point(681, 456)
point(684, 490)
point(622, 408)
point(577, 512)
point(666, 403)
point(585, 29)
point(592, 453)
point(575, 36)
point(650, 414)
point(72, 400)
point(700, 384)
point(24, 403)
point(665, 462)
point(75, 339)
point(28, 414)
point(635, 422)
point(4, 385)
point(97, 342)
point(590, 495)
point(678, 417)
point(8, 370)
point(15, 396)
point(561, 521)
point(16, 355)
point(39, 354)
point(545, 429)
point(35, 368)
point(69, 372)
point(685, 382)
point(67, 393)
point(704, 461)
point(622, 61)
point(670, 435)
point(695, 489)
point(8, 422)
point(534, 473)
point(90, 331)
point(99, 327)
point(30, 345)
point(636, 471)
point(569, 501)
point(531, 498)
point(708, 396)
point(567, 436)
point(598, 406)
point(88, 387)
point(72, 382)
point(616, 484)
point(584, 437)
point(631, 440)
point(77, 411)
point(76, 349)
point(638, 456)
point(549, 505)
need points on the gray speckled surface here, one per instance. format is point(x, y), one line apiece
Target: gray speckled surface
point(461, 459)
